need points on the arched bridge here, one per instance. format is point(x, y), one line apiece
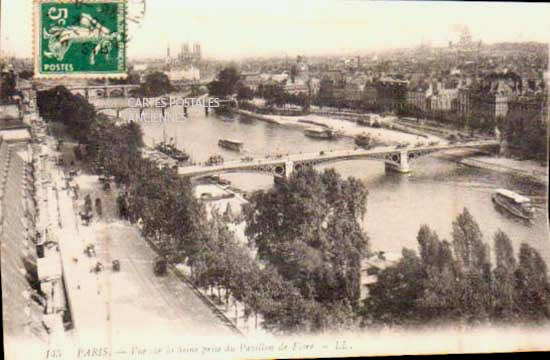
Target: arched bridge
point(123, 90)
point(88, 91)
point(396, 159)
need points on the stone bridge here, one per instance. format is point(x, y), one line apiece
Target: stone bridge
point(123, 90)
point(396, 159)
point(103, 90)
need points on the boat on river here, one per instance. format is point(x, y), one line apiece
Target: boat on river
point(363, 140)
point(514, 203)
point(231, 144)
point(328, 134)
point(171, 151)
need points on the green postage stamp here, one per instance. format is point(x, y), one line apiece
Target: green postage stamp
point(80, 38)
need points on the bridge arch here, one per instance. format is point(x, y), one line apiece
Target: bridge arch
point(98, 92)
point(279, 170)
point(115, 92)
point(81, 92)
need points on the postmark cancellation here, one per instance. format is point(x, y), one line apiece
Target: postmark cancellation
point(80, 38)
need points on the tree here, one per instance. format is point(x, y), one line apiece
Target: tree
point(439, 301)
point(228, 213)
point(156, 84)
point(7, 85)
point(504, 291)
point(474, 268)
point(245, 93)
point(26, 74)
point(308, 228)
point(117, 149)
point(392, 299)
point(467, 242)
point(225, 83)
point(274, 94)
point(460, 287)
point(60, 105)
point(532, 286)
point(436, 255)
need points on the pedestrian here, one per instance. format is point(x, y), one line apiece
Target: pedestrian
point(88, 204)
point(98, 207)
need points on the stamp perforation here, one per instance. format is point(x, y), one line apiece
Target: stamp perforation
point(36, 49)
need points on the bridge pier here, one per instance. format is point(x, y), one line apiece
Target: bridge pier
point(86, 93)
point(289, 168)
point(185, 111)
point(398, 163)
point(206, 110)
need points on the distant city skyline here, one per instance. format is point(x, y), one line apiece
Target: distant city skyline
point(243, 28)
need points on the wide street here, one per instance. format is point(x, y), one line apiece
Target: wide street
point(118, 308)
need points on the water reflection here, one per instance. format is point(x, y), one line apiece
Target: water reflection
point(434, 194)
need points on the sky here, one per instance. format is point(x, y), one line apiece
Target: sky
point(242, 28)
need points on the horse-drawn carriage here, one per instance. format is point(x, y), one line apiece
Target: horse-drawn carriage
point(90, 250)
point(160, 266)
point(106, 181)
point(116, 265)
point(98, 267)
point(86, 217)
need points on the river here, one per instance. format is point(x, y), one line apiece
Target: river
point(434, 193)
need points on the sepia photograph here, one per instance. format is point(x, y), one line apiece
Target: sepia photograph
point(273, 179)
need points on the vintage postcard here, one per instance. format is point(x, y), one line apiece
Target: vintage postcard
point(255, 179)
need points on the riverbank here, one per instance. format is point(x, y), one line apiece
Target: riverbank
point(348, 128)
point(527, 169)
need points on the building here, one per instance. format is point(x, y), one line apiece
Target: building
point(350, 93)
point(252, 80)
point(185, 56)
point(444, 100)
point(336, 76)
point(190, 73)
point(529, 108)
point(370, 96)
point(315, 85)
point(22, 305)
point(372, 266)
point(488, 99)
point(491, 101)
point(418, 96)
point(463, 102)
point(391, 93)
point(296, 87)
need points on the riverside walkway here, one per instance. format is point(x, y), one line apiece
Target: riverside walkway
point(117, 309)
